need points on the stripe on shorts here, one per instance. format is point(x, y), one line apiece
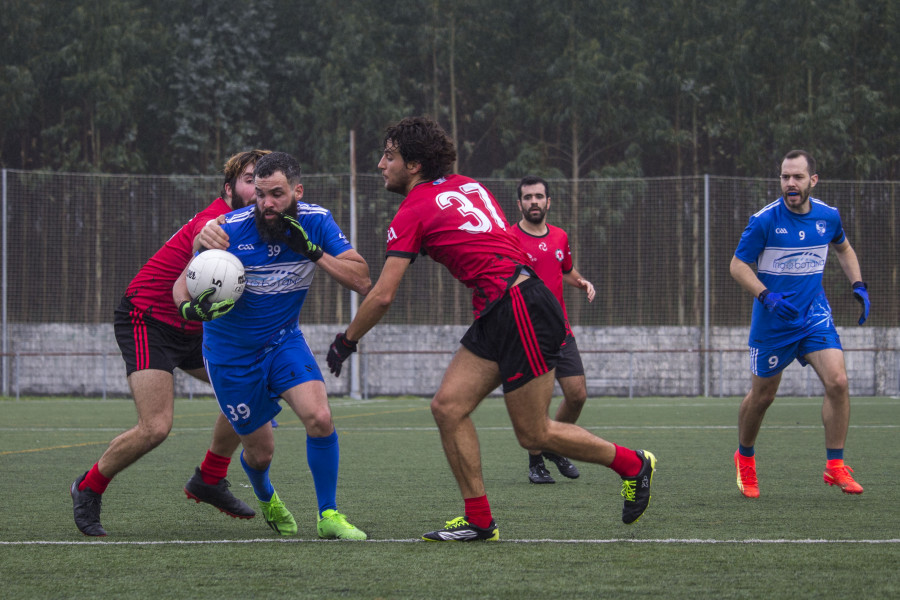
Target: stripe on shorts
point(141, 350)
point(526, 333)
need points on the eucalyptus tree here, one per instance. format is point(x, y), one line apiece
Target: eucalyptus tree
point(221, 67)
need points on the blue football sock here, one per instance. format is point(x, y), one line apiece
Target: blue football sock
point(262, 486)
point(834, 453)
point(747, 451)
point(323, 455)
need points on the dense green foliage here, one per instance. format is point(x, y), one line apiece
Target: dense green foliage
point(567, 88)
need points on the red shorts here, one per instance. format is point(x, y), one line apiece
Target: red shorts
point(522, 333)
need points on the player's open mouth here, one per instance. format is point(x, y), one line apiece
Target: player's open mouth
point(793, 193)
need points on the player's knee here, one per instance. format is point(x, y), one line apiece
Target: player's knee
point(258, 457)
point(576, 401)
point(155, 433)
point(442, 411)
point(836, 384)
point(319, 424)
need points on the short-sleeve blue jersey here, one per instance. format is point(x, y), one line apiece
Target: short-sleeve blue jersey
point(789, 251)
point(277, 281)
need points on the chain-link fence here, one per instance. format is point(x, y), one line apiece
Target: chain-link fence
point(657, 250)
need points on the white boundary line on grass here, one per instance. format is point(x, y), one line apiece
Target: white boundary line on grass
point(536, 541)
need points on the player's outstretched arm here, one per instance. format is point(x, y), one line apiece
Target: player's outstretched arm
point(372, 309)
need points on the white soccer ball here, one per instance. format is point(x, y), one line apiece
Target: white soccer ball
point(219, 269)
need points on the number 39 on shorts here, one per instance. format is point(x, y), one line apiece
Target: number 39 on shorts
point(239, 412)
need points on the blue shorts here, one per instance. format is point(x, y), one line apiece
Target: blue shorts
point(249, 394)
point(768, 362)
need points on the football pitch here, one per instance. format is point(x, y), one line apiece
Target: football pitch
point(698, 539)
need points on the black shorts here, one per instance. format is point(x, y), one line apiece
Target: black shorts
point(522, 333)
point(149, 344)
point(569, 364)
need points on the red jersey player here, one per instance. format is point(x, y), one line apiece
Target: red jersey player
point(154, 340)
point(516, 336)
point(548, 248)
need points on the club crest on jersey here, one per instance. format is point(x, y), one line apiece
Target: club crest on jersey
point(559, 255)
point(820, 227)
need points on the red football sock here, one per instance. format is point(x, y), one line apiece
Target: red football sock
point(214, 468)
point(835, 463)
point(95, 480)
point(626, 463)
point(478, 512)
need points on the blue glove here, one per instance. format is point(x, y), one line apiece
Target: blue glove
point(861, 293)
point(776, 303)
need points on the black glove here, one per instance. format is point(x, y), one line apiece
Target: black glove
point(299, 242)
point(861, 293)
point(340, 350)
point(202, 308)
point(775, 302)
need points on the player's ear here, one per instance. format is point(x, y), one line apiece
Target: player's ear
point(414, 167)
point(298, 191)
point(813, 180)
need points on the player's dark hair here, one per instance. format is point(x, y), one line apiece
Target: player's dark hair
point(278, 161)
point(421, 140)
point(532, 180)
point(810, 161)
point(235, 165)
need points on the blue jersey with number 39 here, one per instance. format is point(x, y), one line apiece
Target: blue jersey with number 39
point(277, 281)
point(790, 252)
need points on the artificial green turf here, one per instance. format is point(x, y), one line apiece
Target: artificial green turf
point(699, 538)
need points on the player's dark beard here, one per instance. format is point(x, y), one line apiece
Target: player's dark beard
point(534, 217)
point(274, 231)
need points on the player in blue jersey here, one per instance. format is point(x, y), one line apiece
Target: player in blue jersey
point(788, 241)
point(254, 350)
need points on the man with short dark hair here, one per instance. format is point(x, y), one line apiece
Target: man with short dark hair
point(256, 354)
point(788, 240)
point(514, 341)
point(548, 248)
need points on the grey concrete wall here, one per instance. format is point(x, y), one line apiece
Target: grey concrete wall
point(410, 360)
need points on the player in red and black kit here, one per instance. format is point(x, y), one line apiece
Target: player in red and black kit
point(154, 340)
point(548, 248)
point(514, 341)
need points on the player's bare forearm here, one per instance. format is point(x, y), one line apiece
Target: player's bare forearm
point(179, 289)
point(379, 299)
point(849, 261)
point(746, 276)
point(349, 269)
point(575, 279)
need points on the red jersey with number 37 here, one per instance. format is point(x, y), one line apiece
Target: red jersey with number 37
point(458, 223)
